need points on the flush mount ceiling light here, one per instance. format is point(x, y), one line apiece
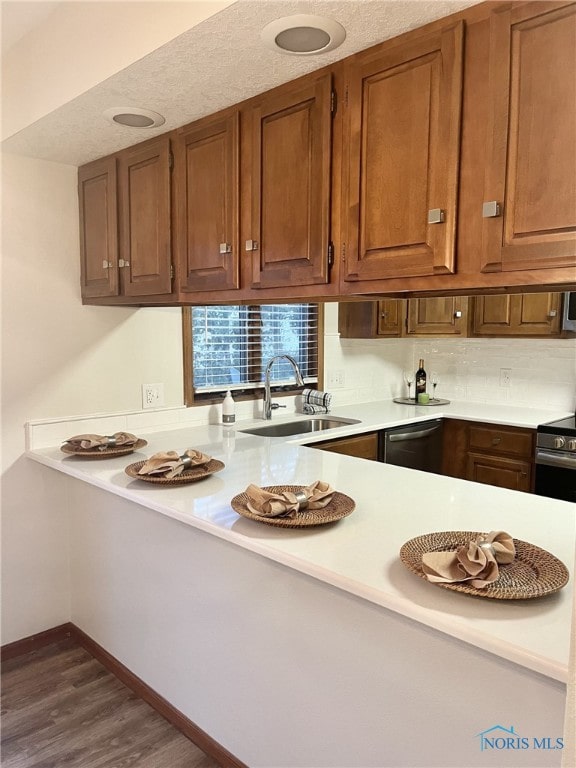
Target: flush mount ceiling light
point(303, 35)
point(133, 117)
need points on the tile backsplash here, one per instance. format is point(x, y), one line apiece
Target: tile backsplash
point(541, 372)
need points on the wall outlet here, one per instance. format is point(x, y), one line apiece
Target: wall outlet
point(335, 379)
point(505, 377)
point(152, 395)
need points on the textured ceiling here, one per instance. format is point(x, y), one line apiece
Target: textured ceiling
point(215, 64)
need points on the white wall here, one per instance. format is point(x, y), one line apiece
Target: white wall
point(59, 358)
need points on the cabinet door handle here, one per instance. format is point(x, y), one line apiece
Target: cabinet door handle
point(123, 263)
point(435, 216)
point(225, 248)
point(106, 264)
point(251, 245)
point(458, 313)
point(491, 209)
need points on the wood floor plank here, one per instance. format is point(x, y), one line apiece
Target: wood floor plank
point(62, 709)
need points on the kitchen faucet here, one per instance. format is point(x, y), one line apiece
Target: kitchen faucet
point(268, 404)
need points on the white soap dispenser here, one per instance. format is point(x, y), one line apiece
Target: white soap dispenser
point(228, 409)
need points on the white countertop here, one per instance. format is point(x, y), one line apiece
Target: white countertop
point(359, 554)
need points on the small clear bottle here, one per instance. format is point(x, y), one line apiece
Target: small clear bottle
point(228, 409)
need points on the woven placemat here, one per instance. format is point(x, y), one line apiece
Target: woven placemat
point(339, 506)
point(105, 453)
point(533, 572)
point(191, 475)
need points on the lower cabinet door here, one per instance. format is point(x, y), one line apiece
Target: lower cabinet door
point(514, 474)
point(361, 446)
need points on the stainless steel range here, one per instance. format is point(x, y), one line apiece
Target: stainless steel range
point(556, 459)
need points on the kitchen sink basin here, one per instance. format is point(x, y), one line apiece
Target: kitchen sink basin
point(299, 427)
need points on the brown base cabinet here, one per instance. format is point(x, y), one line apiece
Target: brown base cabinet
point(361, 446)
point(488, 453)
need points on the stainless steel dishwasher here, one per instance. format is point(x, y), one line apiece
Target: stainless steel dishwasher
point(416, 446)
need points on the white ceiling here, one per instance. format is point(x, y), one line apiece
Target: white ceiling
point(213, 65)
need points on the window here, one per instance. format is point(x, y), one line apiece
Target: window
point(228, 347)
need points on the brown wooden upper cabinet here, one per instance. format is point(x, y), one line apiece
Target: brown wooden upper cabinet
point(518, 315)
point(404, 137)
point(445, 168)
point(144, 192)
point(98, 199)
point(531, 314)
point(206, 183)
point(437, 316)
point(530, 173)
point(290, 148)
point(125, 223)
point(403, 317)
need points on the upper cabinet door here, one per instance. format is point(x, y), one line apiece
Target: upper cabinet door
point(438, 316)
point(144, 191)
point(98, 229)
point(523, 314)
point(404, 140)
point(206, 191)
point(530, 177)
point(290, 149)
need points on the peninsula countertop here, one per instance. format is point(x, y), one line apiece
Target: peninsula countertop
point(359, 554)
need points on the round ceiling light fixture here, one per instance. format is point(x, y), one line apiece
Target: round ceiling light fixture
point(303, 35)
point(133, 117)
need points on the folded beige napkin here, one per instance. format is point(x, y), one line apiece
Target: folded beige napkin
point(118, 439)
point(171, 464)
point(476, 562)
point(287, 503)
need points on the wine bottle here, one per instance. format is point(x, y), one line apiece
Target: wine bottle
point(420, 379)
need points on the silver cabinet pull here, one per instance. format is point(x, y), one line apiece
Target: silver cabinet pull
point(458, 313)
point(225, 248)
point(123, 263)
point(106, 264)
point(491, 209)
point(435, 216)
point(552, 313)
point(251, 245)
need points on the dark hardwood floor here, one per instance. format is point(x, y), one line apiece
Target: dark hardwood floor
point(62, 709)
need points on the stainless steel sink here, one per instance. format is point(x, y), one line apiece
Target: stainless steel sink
point(305, 426)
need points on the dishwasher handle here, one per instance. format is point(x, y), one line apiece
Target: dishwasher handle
point(395, 437)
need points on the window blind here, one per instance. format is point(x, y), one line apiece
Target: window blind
point(232, 344)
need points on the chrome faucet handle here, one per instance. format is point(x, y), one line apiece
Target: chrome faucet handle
point(269, 406)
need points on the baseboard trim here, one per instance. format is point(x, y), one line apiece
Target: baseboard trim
point(34, 642)
point(193, 732)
